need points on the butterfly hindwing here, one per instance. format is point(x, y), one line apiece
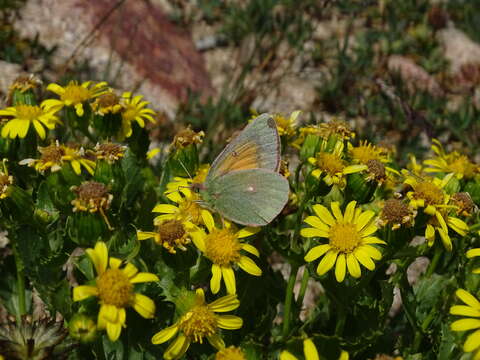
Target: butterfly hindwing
point(257, 146)
point(251, 197)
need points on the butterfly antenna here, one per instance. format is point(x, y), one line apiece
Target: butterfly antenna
point(185, 168)
point(177, 190)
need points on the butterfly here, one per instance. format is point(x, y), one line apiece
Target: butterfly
point(243, 183)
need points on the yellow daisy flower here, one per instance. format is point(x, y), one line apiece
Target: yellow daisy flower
point(110, 152)
point(230, 353)
point(183, 185)
point(331, 167)
point(199, 320)
point(429, 195)
point(286, 126)
point(135, 110)
point(366, 152)
point(396, 214)
point(471, 321)
point(54, 156)
point(74, 95)
point(25, 115)
point(222, 247)
point(453, 162)
point(350, 238)
point(114, 286)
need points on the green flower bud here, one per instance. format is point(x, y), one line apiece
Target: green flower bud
point(360, 188)
point(310, 146)
point(82, 328)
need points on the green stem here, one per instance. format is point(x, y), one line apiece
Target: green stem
point(435, 260)
point(303, 286)
point(22, 306)
point(289, 300)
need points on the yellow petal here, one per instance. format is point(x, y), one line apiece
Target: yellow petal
point(177, 348)
point(143, 235)
point(317, 251)
point(340, 268)
point(216, 278)
point(209, 222)
point(216, 341)
point(249, 266)
point(142, 277)
point(229, 322)
point(368, 230)
point(372, 251)
point(144, 306)
point(109, 313)
point(285, 355)
point(458, 225)
point(373, 240)
point(350, 211)
point(130, 270)
point(79, 109)
point(473, 342)
point(447, 242)
point(464, 311)
point(83, 292)
point(327, 262)
point(468, 298)
point(165, 334)
point(113, 331)
point(310, 350)
point(465, 324)
point(313, 232)
point(317, 223)
point(55, 88)
point(248, 231)
point(225, 304)
point(251, 249)
point(353, 266)
point(335, 206)
point(22, 128)
point(229, 279)
point(323, 214)
point(364, 219)
point(198, 237)
point(354, 168)
point(115, 263)
point(364, 258)
point(39, 128)
point(473, 253)
point(165, 209)
point(99, 257)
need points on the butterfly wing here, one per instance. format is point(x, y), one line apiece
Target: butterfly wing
point(257, 146)
point(251, 197)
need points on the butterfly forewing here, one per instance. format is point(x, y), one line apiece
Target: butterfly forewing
point(257, 146)
point(250, 197)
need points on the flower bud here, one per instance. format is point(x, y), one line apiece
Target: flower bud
point(82, 328)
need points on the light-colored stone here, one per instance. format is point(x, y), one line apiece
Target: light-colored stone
point(8, 73)
point(458, 48)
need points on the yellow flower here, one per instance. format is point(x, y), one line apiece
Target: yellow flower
point(107, 103)
point(366, 151)
point(114, 286)
point(171, 232)
point(471, 321)
point(429, 194)
point(309, 350)
point(187, 136)
point(183, 185)
point(135, 110)
point(74, 95)
point(286, 126)
point(350, 239)
point(25, 115)
point(92, 196)
point(222, 247)
point(454, 163)
point(230, 353)
point(396, 213)
point(331, 166)
point(5, 181)
point(109, 152)
point(55, 155)
point(199, 321)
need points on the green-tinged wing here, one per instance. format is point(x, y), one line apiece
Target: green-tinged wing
point(249, 197)
point(257, 146)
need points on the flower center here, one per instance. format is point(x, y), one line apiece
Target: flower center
point(464, 203)
point(199, 322)
point(91, 190)
point(172, 234)
point(91, 196)
point(75, 94)
point(344, 237)
point(52, 153)
point(394, 211)
point(230, 353)
point(377, 169)
point(28, 112)
point(428, 191)
point(330, 163)
point(107, 100)
point(222, 247)
point(114, 288)
point(109, 151)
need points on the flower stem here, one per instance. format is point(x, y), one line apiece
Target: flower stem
point(303, 286)
point(289, 300)
point(22, 307)
point(435, 260)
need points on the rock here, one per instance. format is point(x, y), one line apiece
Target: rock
point(133, 42)
point(414, 76)
point(458, 49)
